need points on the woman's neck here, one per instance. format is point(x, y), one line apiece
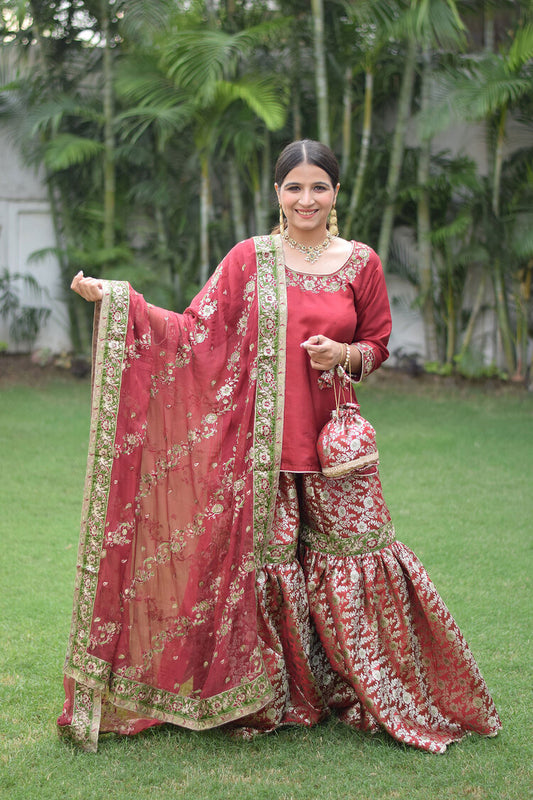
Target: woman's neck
point(307, 238)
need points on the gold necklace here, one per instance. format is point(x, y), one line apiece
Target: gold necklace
point(311, 252)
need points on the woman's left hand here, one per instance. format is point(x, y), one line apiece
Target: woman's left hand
point(323, 352)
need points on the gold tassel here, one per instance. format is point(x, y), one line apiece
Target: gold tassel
point(281, 221)
point(333, 229)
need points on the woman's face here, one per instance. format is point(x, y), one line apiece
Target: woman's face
point(306, 197)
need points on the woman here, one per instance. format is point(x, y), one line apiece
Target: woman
point(222, 578)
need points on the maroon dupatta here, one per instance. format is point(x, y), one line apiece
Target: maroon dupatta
point(183, 467)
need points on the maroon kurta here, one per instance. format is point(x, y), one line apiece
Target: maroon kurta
point(350, 305)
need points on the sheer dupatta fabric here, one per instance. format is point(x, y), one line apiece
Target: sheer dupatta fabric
point(183, 469)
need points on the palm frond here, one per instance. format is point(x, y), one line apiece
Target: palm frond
point(200, 57)
point(521, 241)
point(521, 50)
point(66, 150)
point(259, 94)
point(433, 21)
point(454, 229)
point(141, 81)
point(135, 121)
point(142, 19)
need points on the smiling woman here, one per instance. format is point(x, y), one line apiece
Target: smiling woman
point(307, 192)
point(224, 578)
point(307, 197)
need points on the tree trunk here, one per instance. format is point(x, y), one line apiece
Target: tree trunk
point(109, 137)
point(205, 215)
point(321, 80)
point(498, 161)
point(237, 212)
point(295, 93)
point(488, 28)
point(425, 261)
point(451, 321)
point(523, 296)
point(363, 153)
point(502, 311)
point(347, 123)
point(396, 158)
point(476, 308)
point(78, 328)
point(266, 187)
point(500, 290)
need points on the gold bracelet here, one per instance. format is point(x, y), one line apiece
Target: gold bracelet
point(346, 365)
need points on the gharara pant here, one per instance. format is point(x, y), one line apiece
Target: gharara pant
point(350, 621)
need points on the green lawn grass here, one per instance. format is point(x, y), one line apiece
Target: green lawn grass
point(457, 473)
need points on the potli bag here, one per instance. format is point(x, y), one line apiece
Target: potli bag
point(347, 442)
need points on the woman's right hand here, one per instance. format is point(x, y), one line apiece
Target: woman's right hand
point(88, 288)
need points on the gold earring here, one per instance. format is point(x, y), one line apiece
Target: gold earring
point(281, 221)
point(332, 221)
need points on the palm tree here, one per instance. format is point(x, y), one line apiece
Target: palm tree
point(489, 88)
point(371, 22)
point(206, 65)
point(321, 78)
point(421, 24)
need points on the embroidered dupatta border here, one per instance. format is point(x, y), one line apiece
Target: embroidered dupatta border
point(270, 391)
point(111, 321)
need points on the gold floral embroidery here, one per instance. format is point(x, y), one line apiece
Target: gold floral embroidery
point(368, 360)
point(107, 371)
point(367, 542)
point(338, 281)
point(270, 392)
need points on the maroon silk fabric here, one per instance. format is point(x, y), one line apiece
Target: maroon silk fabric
point(165, 619)
point(349, 305)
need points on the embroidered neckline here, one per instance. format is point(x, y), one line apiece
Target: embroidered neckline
point(331, 281)
point(324, 274)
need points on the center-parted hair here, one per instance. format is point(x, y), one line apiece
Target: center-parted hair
point(306, 151)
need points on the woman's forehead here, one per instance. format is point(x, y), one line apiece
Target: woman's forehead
point(307, 173)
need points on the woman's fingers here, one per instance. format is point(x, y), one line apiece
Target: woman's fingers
point(88, 288)
point(324, 353)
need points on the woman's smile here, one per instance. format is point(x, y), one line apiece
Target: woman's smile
point(306, 197)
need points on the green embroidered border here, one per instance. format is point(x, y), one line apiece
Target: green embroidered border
point(280, 553)
point(110, 338)
point(193, 713)
point(86, 715)
point(270, 393)
point(351, 546)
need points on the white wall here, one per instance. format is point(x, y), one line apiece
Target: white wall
point(25, 227)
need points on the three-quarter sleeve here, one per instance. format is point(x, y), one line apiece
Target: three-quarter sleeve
point(373, 316)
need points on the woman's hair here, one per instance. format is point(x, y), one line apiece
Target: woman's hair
point(306, 151)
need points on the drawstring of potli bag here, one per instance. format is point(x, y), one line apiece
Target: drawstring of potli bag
point(347, 371)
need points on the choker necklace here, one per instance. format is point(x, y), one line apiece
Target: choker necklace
point(311, 252)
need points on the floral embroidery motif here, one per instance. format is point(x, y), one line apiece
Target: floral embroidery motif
point(270, 391)
point(336, 282)
point(368, 359)
point(107, 371)
point(367, 542)
point(366, 630)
